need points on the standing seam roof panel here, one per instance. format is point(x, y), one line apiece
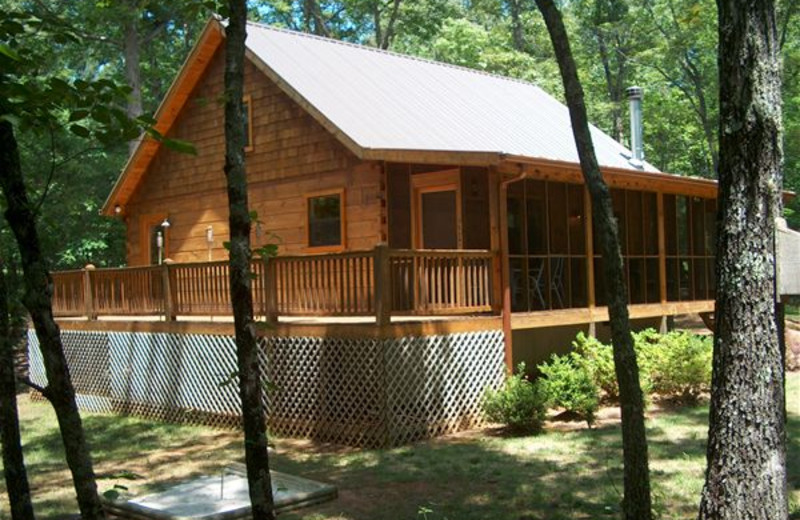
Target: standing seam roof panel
point(383, 100)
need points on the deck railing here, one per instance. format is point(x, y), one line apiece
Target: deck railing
point(381, 282)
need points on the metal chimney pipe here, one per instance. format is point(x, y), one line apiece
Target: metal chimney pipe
point(635, 96)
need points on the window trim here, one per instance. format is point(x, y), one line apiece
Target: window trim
point(342, 220)
point(247, 101)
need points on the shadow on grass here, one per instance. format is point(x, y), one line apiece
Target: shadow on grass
point(575, 475)
point(556, 475)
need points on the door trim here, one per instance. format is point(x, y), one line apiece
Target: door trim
point(446, 180)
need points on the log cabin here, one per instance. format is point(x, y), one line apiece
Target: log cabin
point(433, 230)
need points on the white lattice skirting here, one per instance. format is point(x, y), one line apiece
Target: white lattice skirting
point(359, 392)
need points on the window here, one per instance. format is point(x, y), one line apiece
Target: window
point(325, 214)
point(248, 123)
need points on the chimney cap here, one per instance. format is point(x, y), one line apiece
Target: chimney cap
point(634, 92)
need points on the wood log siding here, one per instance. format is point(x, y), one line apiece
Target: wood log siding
point(336, 284)
point(292, 155)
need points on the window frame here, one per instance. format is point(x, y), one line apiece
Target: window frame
point(340, 192)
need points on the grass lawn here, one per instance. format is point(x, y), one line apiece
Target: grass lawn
point(566, 472)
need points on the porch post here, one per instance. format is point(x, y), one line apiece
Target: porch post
point(383, 283)
point(662, 261)
point(166, 287)
point(494, 234)
point(506, 315)
point(271, 290)
point(88, 293)
point(591, 296)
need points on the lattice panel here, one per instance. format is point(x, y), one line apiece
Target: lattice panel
point(330, 389)
point(176, 377)
point(87, 359)
point(360, 392)
point(36, 370)
point(435, 384)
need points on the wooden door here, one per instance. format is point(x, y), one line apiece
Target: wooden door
point(436, 208)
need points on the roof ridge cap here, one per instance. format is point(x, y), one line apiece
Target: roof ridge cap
point(368, 48)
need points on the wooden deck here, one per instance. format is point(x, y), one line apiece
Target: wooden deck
point(374, 286)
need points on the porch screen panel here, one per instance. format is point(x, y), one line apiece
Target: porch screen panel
point(690, 240)
point(547, 245)
point(637, 217)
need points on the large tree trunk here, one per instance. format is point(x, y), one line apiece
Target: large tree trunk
point(746, 474)
point(38, 296)
point(19, 493)
point(133, 70)
point(636, 501)
point(250, 390)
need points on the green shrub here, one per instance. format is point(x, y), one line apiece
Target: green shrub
point(598, 359)
point(519, 404)
point(568, 383)
point(681, 365)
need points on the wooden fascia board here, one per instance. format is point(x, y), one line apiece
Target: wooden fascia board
point(182, 86)
point(455, 158)
point(298, 98)
point(616, 177)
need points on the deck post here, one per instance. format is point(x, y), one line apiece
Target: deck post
point(169, 310)
point(87, 292)
point(270, 290)
point(383, 283)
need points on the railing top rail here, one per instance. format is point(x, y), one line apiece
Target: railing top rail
point(111, 270)
point(198, 264)
point(67, 272)
point(447, 253)
point(322, 256)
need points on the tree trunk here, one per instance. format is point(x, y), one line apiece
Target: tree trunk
point(38, 300)
point(636, 501)
point(746, 474)
point(517, 34)
point(19, 493)
point(250, 389)
point(133, 70)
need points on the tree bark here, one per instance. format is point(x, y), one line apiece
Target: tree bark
point(133, 70)
point(517, 30)
point(746, 473)
point(38, 301)
point(19, 493)
point(250, 389)
point(636, 502)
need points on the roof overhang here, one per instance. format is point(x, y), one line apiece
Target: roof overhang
point(209, 42)
point(177, 96)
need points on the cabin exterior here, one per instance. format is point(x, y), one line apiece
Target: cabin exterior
point(433, 230)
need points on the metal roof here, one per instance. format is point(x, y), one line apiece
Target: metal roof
point(387, 101)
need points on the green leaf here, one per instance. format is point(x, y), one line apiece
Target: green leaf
point(227, 245)
point(270, 387)
point(11, 118)
point(77, 115)
point(181, 146)
point(7, 51)
point(230, 379)
point(80, 131)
